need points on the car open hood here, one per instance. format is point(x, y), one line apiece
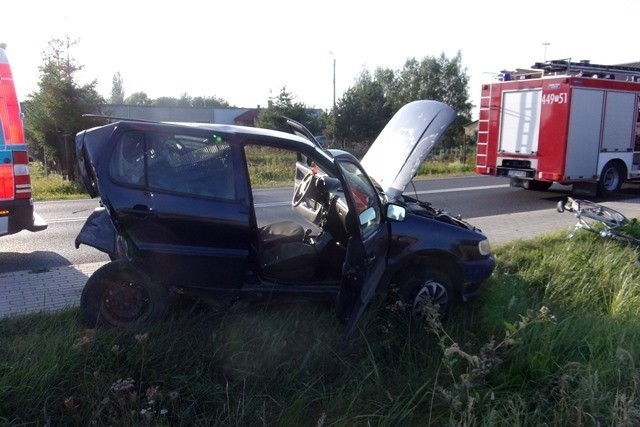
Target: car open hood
point(397, 153)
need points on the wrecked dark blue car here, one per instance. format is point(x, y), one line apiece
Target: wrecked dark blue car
point(185, 211)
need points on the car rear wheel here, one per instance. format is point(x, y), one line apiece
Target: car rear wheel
point(119, 295)
point(423, 287)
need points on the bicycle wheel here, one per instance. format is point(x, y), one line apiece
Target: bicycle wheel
point(610, 217)
point(624, 238)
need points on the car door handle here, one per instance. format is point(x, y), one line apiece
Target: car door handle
point(139, 211)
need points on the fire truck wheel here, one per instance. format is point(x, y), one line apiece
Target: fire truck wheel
point(610, 179)
point(537, 185)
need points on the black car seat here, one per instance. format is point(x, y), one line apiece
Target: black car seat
point(284, 253)
point(279, 233)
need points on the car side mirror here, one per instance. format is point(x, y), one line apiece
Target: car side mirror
point(396, 212)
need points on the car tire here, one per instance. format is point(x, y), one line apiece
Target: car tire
point(610, 179)
point(121, 295)
point(426, 285)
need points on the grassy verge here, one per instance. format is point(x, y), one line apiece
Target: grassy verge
point(553, 340)
point(444, 168)
point(53, 186)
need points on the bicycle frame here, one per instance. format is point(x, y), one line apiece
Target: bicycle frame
point(589, 214)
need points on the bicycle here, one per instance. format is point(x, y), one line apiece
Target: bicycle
point(598, 219)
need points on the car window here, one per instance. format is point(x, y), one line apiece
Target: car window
point(127, 162)
point(188, 164)
point(269, 166)
point(364, 196)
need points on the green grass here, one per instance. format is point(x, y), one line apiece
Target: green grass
point(270, 167)
point(440, 168)
point(53, 186)
point(552, 340)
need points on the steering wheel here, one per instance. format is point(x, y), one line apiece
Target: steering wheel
point(303, 189)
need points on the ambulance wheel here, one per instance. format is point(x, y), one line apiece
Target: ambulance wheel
point(120, 295)
point(610, 179)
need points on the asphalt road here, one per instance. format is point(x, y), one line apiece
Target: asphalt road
point(471, 197)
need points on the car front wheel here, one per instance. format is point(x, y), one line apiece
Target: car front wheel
point(119, 295)
point(423, 287)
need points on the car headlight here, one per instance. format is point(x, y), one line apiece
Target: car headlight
point(484, 248)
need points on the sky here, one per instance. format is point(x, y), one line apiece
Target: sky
point(246, 51)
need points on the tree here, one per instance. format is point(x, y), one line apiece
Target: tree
point(273, 117)
point(166, 101)
point(185, 100)
point(363, 110)
point(390, 84)
point(209, 101)
point(367, 106)
point(138, 98)
point(439, 79)
point(54, 113)
point(117, 89)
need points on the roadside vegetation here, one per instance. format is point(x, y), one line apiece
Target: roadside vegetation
point(53, 186)
point(553, 340)
point(446, 167)
point(265, 168)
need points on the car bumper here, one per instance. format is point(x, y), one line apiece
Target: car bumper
point(476, 272)
point(18, 215)
point(98, 232)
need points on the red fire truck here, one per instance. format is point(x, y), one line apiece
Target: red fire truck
point(561, 121)
point(16, 205)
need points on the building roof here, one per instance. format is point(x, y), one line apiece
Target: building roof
point(248, 116)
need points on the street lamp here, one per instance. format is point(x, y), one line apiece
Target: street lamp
point(334, 94)
point(545, 44)
point(334, 79)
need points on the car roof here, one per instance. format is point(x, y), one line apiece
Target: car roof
point(289, 139)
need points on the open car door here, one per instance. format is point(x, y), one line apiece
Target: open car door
point(393, 160)
point(367, 247)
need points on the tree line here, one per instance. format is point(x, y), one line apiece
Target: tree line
point(54, 112)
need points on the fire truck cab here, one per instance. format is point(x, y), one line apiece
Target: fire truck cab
point(561, 121)
point(16, 204)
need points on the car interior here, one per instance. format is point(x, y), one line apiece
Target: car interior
point(311, 245)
